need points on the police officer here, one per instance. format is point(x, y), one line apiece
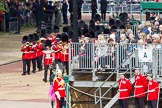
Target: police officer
point(125, 89)
point(152, 92)
point(140, 88)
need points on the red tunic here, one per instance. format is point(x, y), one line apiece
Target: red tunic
point(59, 85)
point(153, 90)
point(125, 88)
point(140, 86)
point(64, 53)
point(39, 50)
point(57, 49)
point(51, 38)
point(47, 57)
point(26, 50)
point(33, 51)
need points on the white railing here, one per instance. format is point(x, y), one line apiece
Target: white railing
point(113, 8)
point(91, 56)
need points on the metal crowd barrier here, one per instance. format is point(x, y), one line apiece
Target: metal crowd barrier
point(105, 56)
point(13, 25)
point(113, 8)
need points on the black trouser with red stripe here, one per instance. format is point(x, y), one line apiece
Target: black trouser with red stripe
point(39, 63)
point(139, 102)
point(123, 103)
point(33, 64)
point(152, 104)
point(26, 66)
point(46, 68)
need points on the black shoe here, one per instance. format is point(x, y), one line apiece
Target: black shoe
point(28, 73)
point(33, 71)
point(40, 69)
point(23, 74)
point(44, 80)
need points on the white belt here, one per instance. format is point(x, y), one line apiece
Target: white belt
point(61, 88)
point(138, 86)
point(48, 57)
point(26, 52)
point(123, 90)
point(151, 90)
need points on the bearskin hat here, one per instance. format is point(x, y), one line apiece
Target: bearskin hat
point(66, 29)
point(25, 38)
point(36, 37)
point(58, 37)
point(49, 30)
point(64, 37)
point(48, 43)
point(31, 38)
point(56, 29)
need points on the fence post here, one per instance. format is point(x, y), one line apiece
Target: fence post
point(66, 79)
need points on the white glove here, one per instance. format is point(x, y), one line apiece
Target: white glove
point(58, 95)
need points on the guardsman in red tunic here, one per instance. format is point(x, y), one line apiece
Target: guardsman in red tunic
point(51, 37)
point(152, 92)
point(33, 51)
point(59, 89)
point(65, 52)
point(140, 88)
point(125, 89)
point(39, 54)
point(26, 55)
point(47, 58)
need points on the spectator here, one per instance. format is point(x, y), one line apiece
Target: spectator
point(94, 8)
point(64, 11)
point(51, 95)
point(103, 9)
point(80, 2)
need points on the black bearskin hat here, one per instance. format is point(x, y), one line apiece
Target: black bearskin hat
point(31, 38)
point(25, 38)
point(66, 29)
point(56, 29)
point(64, 37)
point(36, 37)
point(48, 43)
point(58, 37)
